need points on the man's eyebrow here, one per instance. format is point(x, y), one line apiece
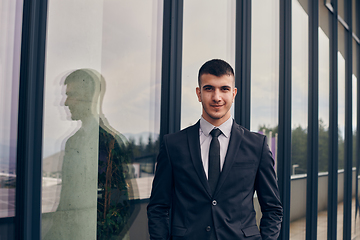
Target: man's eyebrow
point(211, 86)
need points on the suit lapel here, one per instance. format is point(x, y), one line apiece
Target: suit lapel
point(194, 147)
point(235, 140)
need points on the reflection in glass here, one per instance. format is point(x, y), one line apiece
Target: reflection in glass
point(355, 227)
point(354, 219)
point(207, 37)
point(74, 216)
point(299, 118)
point(354, 98)
point(341, 9)
point(354, 17)
point(341, 94)
point(101, 118)
point(10, 44)
point(341, 125)
point(265, 74)
point(265, 70)
point(323, 133)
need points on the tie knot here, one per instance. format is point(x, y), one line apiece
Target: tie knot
point(215, 132)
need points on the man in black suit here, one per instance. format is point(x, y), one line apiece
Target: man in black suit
point(205, 179)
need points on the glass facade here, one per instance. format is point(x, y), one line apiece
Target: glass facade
point(103, 105)
point(101, 118)
point(265, 71)
point(324, 105)
point(355, 228)
point(265, 75)
point(10, 44)
point(341, 125)
point(341, 8)
point(354, 17)
point(299, 117)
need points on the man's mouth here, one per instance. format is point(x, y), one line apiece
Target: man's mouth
point(216, 106)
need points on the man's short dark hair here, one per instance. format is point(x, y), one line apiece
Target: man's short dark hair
point(216, 67)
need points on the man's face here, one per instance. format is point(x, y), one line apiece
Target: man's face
point(78, 101)
point(216, 95)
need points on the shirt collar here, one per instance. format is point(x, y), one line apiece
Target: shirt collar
point(225, 128)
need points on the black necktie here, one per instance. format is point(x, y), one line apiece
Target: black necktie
point(214, 159)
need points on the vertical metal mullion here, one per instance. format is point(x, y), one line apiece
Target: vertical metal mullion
point(284, 145)
point(348, 125)
point(313, 121)
point(333, 126)
point(29, 145)
point(243, 62)
point(357, 203)
point(171, 67)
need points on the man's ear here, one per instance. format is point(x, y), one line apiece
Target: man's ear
point(234, 93)
point(198, 93)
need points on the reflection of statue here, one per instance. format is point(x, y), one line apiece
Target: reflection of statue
point(75, 217)
point(115, 213)
point(94, 194)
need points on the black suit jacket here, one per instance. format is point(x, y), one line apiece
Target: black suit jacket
point(182, 206)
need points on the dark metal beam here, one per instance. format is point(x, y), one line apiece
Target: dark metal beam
point(171, 67)
point(243, 62)
point(313, 121)
point(29, 145)
point(348, 147)
point(333, 125)
point(284, 144)
point(357, 200)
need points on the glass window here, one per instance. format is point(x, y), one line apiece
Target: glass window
point(354, 96)
point(341, 9)
point(265, 74)
point(341, 124)
point(354, 17)
point(101, 117)
point(324, 91)
point(10, 45)
point(265, 70)
point(207, 37)
point(354, 128)
point(299, 119)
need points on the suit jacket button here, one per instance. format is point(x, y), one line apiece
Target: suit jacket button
point(208, 228)
point(214, 202)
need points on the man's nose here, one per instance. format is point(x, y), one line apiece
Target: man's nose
point(216, 96)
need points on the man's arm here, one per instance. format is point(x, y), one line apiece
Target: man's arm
point(160, 200)
point(268, 195)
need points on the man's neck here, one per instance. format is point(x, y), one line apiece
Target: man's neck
point(217, 122)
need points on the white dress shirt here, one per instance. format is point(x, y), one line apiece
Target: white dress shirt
point(205, 139)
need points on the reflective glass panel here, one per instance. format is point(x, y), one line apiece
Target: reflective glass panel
point(265, 74)
point(265, 70)
point(341, 126)
point(101, 117)
point(10, 44)
point(299, 119)
point(341, 9)
point(354, 97)
point(354, 17)
point(207, 37)
point(355, 228)
point(324, 91)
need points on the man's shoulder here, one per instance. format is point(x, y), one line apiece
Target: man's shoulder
point(184, 131)
point(182, 135)
point(247, 134)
